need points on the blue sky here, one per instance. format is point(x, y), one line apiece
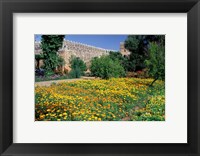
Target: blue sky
point(103, 41)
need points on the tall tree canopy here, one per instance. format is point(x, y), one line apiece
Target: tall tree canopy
point(50, 45)
point(138, 45)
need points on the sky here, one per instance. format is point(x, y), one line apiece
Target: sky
point(111, 42)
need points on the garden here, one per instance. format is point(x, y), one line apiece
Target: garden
point(116, 99)
point(124, 88)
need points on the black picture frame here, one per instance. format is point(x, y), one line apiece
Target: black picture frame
point(8, 7)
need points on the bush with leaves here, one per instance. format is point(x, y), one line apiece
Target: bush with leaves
point(104, 67)
point(123, 60)
point(156, 61)
point(78, 67)
point(75, 73)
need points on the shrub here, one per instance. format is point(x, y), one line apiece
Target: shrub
point(104, 67)
point(123, 60)
point(78, 67)
point(75, 73)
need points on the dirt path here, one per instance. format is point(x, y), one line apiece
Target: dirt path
point(48, 83)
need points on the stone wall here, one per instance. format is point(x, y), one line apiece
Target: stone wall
point(83, 51)
point(37, 48)
point(123, 50)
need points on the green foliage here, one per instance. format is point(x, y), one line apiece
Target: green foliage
point(75, 73)
point(124, 61)
point(138, 45)
point(61, 61)
point(76, 62)
point(78, 67)
point(50, 45)
point(156, 61)
point(133, 44)
point(106, 68)
point(39, 56)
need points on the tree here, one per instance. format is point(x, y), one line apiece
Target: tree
point(156, 61)
point(124, 61)
point(138, 45)
point(134, 43)
point(104, 67)
point(50, 45)
point(77, 67)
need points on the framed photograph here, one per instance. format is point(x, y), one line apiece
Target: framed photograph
point(99, 77)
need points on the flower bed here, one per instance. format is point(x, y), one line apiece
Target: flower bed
point(116, 99)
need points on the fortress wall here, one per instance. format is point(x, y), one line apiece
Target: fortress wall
point(123, 50)
point(83, 51)
point(38, 50)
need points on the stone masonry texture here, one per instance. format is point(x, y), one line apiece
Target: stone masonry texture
point(83, 51)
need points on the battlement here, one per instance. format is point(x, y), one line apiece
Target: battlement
point(71, 48)
point(83, 51)
point(73, 44)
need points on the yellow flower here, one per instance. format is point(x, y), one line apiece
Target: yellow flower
point(96, 99)
point(64, 114)
point(42, 116)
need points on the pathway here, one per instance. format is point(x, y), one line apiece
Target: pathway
point(48, 83)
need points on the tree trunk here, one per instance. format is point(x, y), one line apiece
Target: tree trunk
point(38, 63)
point(151, 85)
